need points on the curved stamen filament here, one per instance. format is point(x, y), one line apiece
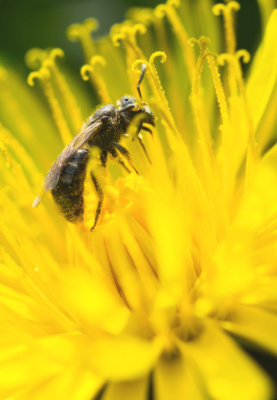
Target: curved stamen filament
point(197, 101)
point(169, 11)
point(10, 105)
point(43, 75)
point(68, 100)
point(206, 157)
point(228, 16)
point(127, 34)
point(227, 12)
point(155, 84)
point(89, 71)
point(204, 138)
point(235, 61)
point(252, 148)
point(82, 33)
point(35, 57)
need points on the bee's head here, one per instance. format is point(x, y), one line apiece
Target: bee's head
point(132, 107)
point(127, 102)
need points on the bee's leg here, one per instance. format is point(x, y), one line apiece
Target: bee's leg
point(125, 153)
point(118, 159)
point(100, 196)
point(144, 128)
point(103, 158)
point(140, 127)
point(143, 69)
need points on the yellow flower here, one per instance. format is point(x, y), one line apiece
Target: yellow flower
point(181, 268)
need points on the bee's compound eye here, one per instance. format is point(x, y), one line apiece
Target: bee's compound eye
point(125, 101)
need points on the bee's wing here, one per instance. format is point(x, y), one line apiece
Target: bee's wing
point(83, 136)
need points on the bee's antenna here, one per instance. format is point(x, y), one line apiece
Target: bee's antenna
point(143, 69)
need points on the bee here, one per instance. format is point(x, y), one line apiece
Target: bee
point(103, 129)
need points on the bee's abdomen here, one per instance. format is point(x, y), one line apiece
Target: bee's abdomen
point(68, 194)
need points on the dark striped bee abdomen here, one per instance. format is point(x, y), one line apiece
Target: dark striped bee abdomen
point(68, 194)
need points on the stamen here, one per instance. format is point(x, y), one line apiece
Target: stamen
point(144, 16)
point(197, 102)
point(11, 105)
point(15, 183)
point(81, 32)
point(235, 61)
point(44, 76)
point(227, 11)
point(226, 128)
point(226, 134)
point(155, 83)
point(89, 71)
point(141, 15)
point(252, 148)
point(127, 34)
point(148, 17)
point(22, 156)
point(221, 99)
point(69, 101)
point(35, 57)
point(205, 54)
point(169, 11)
point(244, 55)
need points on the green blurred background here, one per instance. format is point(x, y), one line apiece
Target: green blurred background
point(42, 23)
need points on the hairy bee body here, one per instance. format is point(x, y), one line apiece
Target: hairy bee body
point(103, 129)
point(114, 126)
point(68, 194)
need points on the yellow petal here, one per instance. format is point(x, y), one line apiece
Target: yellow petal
point(228, 372)
point(264, 72)
point(40, 361)
point(131, 390)
point(123, 358)
point(266, 7)
point(263, 293)
point(70, 385)
point(256, 325)
point(177, 379)
point(95, 301)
